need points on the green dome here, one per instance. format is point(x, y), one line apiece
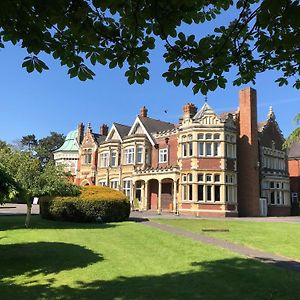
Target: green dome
point(70, 143)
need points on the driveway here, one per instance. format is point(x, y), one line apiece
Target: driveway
point(20, 209)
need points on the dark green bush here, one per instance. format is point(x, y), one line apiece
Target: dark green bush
point(87, 207)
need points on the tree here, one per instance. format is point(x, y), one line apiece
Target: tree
point(33, 181)
point(46, 146)
point(294, 137)
point(43, 148)
point(9, 189)
point(263, 36)
point(29, 142)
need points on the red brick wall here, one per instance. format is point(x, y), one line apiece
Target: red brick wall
point(172, 150)
point(247, 153)
point(209, 163)
point(278, 211)
point(294, 167)
point(186, 164)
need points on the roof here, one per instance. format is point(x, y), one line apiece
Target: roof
point(123, 130)
point(153, 125)
point(99, 138)
point(70, 143)
point(294, 151)
point(261, 125)
point(201, 111)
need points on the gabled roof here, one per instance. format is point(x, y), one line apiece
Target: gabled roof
point(153, 125)
point(120, 129)
point(70, 143)
point(150, 126)
point(203, 110)
point(294, 151)
point(99, 138)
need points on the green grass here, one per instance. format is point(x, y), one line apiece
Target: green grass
point(56, 260)
point(278, 238)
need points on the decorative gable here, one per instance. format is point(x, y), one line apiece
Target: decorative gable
point(207, 116)
point(139, 128)
point(113, 134)
point(88, 139)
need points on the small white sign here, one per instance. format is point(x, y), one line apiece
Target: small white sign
point(35, 200)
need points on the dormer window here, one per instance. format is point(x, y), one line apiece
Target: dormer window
point(87, 156)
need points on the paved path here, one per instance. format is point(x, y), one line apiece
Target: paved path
point(10, 209)
point(265, 257)
point(167, 215)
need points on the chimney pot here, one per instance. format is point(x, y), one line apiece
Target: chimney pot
point(144, 112)
point(104, 130)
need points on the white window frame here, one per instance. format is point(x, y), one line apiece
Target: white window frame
point(129, 156)
point(139, 154)
point(104, 159)
point(163, 155)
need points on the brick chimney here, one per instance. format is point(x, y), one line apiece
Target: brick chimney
point(189, 110)
point(104, 130)
point(144, 112)
point(247, 153)
point(80, 134)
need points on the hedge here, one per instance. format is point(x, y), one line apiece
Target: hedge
point(94, 204)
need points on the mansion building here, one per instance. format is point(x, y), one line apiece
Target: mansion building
point(207, 164)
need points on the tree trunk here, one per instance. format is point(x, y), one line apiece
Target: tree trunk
point(28, 214)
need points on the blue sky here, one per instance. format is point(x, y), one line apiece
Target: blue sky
point(51, 101)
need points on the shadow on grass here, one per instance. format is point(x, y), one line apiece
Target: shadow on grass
point(235, 278)
point(17, 222)
point(43, 258)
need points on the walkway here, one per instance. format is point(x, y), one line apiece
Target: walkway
point(264, 257)
point(10, 209)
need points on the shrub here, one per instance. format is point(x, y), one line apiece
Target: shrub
point(93, 204)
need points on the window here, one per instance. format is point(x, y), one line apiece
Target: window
point(184, 150)
point(200, 192)
point(208, 177)
point(127, 187)
point(216, 136)
point(200, 177)
point(129, 155)
point(208, 149)
point(190, 144)
point(217, 151)
point(104, 159)
point(163, 155)
point(217, 193)
point(114, 159)
point(87, 156)
point(114, 184)
point(147, 157)
point(200, 148)
point(217, 177)
point(187, 187)
point(200, 136)
point(139, 154)
point(208, 193)
point(102, 182)
point(208, 136)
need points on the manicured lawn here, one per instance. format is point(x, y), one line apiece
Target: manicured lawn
point(278, 238)
point(56, 260)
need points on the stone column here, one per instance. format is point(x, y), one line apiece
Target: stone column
point(159, 197)
point(145, 199)
point(175, 208)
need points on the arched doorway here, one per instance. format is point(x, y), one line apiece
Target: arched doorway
point(167, 194)
point(85, 183)
point(153, 194)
